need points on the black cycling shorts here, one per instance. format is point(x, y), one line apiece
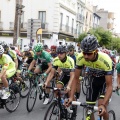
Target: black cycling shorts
point(96, 89)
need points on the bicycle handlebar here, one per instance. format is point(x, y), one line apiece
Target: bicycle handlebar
point(84, 105)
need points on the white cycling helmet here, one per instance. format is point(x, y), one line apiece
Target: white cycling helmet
point(1, 50)
point(26, 48)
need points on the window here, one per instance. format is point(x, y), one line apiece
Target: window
point(61, 20)
point(67, 20)
point(67, 23)
point(22, 20)
point(72, 24)
point(42, 16)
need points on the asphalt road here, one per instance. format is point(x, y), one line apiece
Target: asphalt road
point(40, 109)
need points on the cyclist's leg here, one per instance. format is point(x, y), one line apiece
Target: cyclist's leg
point(9, 73)
point(37, 69)
point(92, 93)
point(101, 97)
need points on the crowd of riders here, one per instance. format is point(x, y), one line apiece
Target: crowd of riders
point(42, 59)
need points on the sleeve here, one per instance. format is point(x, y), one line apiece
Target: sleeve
point(79, 61)
point(48, 58)
point(55, 65)
point(35, 57)
point(72, 65)
point(13, 54)
point(6, 63)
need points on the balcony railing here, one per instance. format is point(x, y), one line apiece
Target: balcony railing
point(80, 17)
point(11, 25)
point(67, 29)
point(1, 25)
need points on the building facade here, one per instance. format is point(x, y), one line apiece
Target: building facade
point(58, 20)
point(107, 19)
point(88, 23)
point(96, 18)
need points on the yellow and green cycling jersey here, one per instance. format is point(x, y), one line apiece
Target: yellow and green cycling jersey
point(8, 64)
point(67, 66)
point(102, 65)
point(12, 54)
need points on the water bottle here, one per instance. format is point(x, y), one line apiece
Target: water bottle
point(98, 118)
point(62, 101)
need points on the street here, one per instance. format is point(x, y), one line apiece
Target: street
point(40, 109)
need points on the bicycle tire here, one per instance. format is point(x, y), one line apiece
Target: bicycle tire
point(52, 107)
point(84, 89)
point(33, 88)
point(11, 99)
point(112, 114)
point(24, 93)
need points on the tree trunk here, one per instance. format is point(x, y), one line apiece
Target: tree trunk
point(17, 16)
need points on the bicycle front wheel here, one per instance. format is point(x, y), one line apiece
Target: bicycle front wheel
point(31, 98)
point(13, 101)
point(53, 112)
point(112, 115)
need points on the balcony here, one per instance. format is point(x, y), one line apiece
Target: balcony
point(80, 17)
point(67, 29)
point(11, 26)
point(1, 25)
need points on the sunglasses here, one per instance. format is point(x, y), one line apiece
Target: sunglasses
point(88, 53)
point(52, 50)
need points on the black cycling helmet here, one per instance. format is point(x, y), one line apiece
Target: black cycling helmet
point(89, 43)
point(61, 49)
point(5, 46)
point(70, 47)
point(45, 47)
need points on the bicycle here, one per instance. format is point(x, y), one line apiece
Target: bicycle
point(36, 87)
point(13, 101)
point(88, 110)
point(57, 110)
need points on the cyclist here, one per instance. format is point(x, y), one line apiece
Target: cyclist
point(45, 47)
point(28, 55)
point(73, 54)
point(14, 57)
point(53, 51)
point(44, 58)
point(66, 66)
point(100, 67)
point(8, 70)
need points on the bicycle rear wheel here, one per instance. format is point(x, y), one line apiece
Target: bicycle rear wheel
point(112, 115)
point(13, 101)
point(31, 98)
point(53, 112)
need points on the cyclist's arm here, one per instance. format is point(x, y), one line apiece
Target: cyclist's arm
point(74, 82)
point(49, 68)
point(32, 64)
point(16, 63)
point(50, 76)
point(108, 90)
point(71, 79)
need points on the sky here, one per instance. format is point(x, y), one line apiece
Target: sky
point(111, 6)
